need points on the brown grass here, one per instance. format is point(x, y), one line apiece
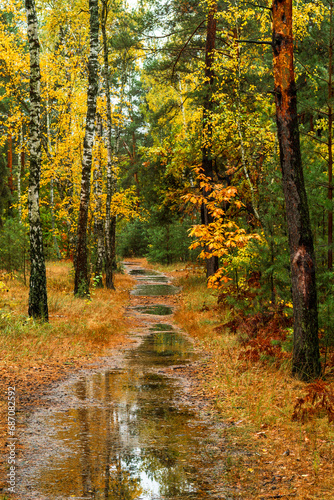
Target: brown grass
point(283, 458)
point(76, 328)
point(33, 354)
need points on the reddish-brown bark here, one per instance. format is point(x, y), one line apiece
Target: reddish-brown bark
point(207, 162)
point(306, 360)
point(330, 141)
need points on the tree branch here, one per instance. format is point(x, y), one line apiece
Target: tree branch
point(257, 42)
point(185, 45)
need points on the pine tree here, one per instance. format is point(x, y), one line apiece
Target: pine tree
point(306, 359)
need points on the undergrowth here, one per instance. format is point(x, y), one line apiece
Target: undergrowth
point(284, 426)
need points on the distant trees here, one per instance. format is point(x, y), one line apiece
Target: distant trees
point(186, 113)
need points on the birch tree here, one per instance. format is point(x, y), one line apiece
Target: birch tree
point(110, 224)
point(81, 279)
point(38, 305)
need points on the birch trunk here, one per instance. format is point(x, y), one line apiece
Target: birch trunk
point(38, 305)
point(53, 222)
point(306, 359)
point(81, 279)
point(110, 224)
point(98, 219)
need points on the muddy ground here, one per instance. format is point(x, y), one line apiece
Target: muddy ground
point(40, 395)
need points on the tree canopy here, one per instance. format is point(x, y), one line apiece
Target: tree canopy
point(185, 157)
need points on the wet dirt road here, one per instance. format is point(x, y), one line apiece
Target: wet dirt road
point(128, 431)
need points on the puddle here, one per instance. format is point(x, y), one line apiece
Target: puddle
point(157, 310)
point(125, 434)
point(143, 272)
point(154, 290)
point(159, 279)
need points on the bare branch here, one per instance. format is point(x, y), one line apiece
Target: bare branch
point(185, 45)
point(257, 42)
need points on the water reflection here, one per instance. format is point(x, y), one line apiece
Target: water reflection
point(158, 310)
point(124, 436)
point(125, 439)
point(144, 289)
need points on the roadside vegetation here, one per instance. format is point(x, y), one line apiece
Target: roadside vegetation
point(280, 432)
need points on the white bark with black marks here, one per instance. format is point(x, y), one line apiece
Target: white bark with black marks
point(110, 224)
point(81, 279)
point(98, 217)
point(38, 306)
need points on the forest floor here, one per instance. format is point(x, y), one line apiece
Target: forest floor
point(283, 458)
point(286, 426)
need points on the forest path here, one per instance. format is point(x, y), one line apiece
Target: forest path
point(131, 429)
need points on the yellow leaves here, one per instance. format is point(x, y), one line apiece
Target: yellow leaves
point(304, 14)
point(218, 279)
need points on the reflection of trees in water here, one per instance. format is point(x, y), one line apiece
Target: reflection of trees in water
point(134, 431)
point(119, 485)
point(85, 458)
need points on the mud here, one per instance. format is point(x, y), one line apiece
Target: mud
point(128, 429)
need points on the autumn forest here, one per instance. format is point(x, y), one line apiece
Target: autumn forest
point(197, 135)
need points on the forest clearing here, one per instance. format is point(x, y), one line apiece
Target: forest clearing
point(166, 249)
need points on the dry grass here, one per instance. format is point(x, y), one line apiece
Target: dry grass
point(33, 354)
point(77, 327)
point(283, 458)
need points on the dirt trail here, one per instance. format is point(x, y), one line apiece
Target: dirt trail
point(37, 439)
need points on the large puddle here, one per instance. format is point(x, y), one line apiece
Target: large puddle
point(125, 434)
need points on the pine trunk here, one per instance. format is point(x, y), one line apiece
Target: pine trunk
point(330, 140)
point(81, 279)
point(110, 224)
point(306, 360)
point(38, 304)
point(207, 162)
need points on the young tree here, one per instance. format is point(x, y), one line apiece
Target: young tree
point(81, 280)
point(306, 359)
point(110, 224)
point(98, 218)
point(38, 306)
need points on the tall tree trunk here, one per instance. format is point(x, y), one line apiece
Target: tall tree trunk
point(81, 279)
point(53, 221)
point(98, 219)
point(207, 162)
point(110, 224)
point(10, 163)
point(306, 360)
point(38, 304)
point(330, 139)
point(19, 173)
